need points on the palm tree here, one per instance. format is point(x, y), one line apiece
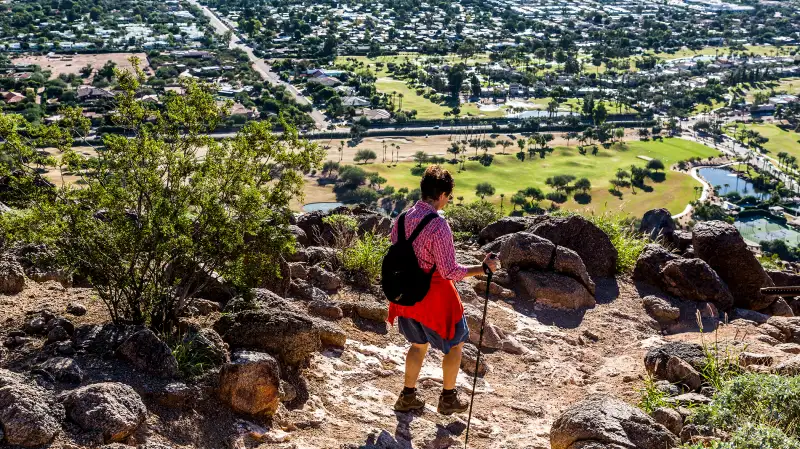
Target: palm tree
point(400, 95)
point(341, 150)
point(502, 197)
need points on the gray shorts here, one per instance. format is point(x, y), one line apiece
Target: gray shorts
point(419, 334)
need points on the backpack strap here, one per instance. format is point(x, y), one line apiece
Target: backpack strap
point(401, 228)
point(428, 218)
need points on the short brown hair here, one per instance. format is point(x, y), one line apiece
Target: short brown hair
point(436, 181)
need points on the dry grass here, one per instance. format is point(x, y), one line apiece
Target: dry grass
point(72, 64)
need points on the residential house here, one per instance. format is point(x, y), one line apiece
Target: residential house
point(376, 115)
point(12, 97)
point(239, 109)
point(91, 93)
point(356, 102)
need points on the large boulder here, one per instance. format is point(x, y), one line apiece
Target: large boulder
point(651, 261)
point(27, 416)
point(110, 408)
point(657, 223)
point(555, 290)
point(315, 230)
point(680, 372)
point(290, 336)
point(583, 237)
point(569, 262)
point(206, 345)
point(323, 278)
point(12, 276)
point(789, 328)
point(63, 369)
point(660, 309)
point(299, 235)
point(526, 250)
point(694, 280)
point(501, 227)
point(784, 278)
point(103, 340)
point(608, 422)
point(145, 351)
point(376, 223)
point(250, 384)
point(657, 358)
point(723, 248)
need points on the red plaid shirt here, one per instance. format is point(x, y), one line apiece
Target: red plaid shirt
point(441, 308)
point(434, 245)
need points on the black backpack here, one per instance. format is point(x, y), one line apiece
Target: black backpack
point(403, 281)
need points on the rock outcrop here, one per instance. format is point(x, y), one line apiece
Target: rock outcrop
point(12, 276)
point(651, 261)
point(113, 409)
point(583, 237)
point(552, 275)
point(250, 384)
point(656, 359)
point(501, 227)
point(657, 223)
point(695, 280)
point(724, 249)
point(602, 421)
point(555, 290)
point(28, 418)
point(288, 335)
point(148, 353)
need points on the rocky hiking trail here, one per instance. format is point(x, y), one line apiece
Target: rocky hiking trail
point(311, 363)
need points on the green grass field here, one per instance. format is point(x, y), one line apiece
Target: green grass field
point(758, 50)
point(779, 140)
point(508, 175)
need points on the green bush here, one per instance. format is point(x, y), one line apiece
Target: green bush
point(629, 243)
point(754, 399)
point(363, 258)
point(651, 397)
point(166, 206)
point(471, 218)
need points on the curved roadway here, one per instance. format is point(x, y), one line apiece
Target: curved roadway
point(260, 66)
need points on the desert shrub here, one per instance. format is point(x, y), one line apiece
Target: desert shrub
point(651, 397)
point(626, 240)
point(193, 359)
point(762, 411)
point(155, 217)
point(343, 228)
point(471, 218)
point(364, 257)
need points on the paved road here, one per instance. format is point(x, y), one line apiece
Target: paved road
point(260, 65)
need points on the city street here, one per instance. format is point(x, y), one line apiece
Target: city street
point(264, 69)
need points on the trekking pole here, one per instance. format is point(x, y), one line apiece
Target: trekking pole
point(480, 343)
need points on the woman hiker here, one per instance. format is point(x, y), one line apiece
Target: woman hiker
point(438, 320)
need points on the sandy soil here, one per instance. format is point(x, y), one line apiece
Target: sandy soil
point(433, 145)
point(74, 63)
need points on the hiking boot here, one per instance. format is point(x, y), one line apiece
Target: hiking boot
point(408, 402)
point(452, 403)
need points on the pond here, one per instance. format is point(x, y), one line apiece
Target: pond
point(730, 182)
point(322, 207)
point(756, 228)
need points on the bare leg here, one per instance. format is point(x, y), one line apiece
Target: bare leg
point(450, 365)
point(414, 359)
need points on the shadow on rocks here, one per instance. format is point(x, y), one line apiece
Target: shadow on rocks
point(377, 327)
point(607, 290)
